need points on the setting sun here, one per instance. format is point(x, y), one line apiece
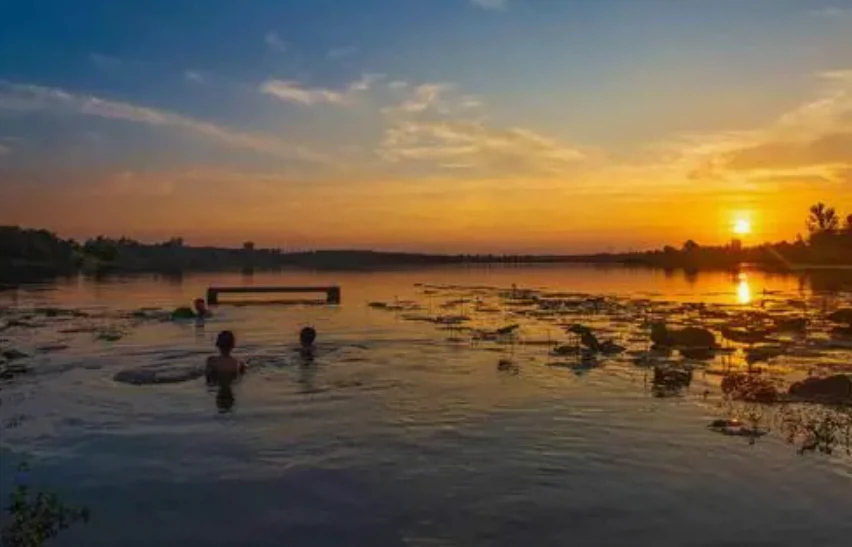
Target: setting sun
point(742, 227)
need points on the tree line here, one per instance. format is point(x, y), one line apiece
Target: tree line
point(34, 252)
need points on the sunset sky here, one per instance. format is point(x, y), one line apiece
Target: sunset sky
point(425, 125)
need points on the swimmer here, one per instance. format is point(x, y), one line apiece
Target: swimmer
point(224, 368)
point(306, 342)
point(201, 309)
point(198, 311)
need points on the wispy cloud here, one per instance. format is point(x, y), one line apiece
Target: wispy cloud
point(814, 138)
point(294, 92)
point(810, 144)
point(471, 144)
point(490, 4)
point(273, 41)
point(193, 76)
point(432, 125)
point(421, 98)
point(36, 98)
point(365, 82)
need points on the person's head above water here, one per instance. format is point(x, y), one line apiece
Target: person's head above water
point(226, 342)
point(307, 336)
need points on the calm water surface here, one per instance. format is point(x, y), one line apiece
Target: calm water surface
point(397, 435)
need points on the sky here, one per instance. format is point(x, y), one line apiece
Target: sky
point(481, 126)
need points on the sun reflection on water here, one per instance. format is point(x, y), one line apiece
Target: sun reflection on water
point(743, 289)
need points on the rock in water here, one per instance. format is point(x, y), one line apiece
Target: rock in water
point(763, 353)
point(12, 354)
point(672, 377)
point(843, 315)
point(689, 337)
point(160, 374)
point(832, 389)
point(793, 324)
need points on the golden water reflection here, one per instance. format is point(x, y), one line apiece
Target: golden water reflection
point(744, 295)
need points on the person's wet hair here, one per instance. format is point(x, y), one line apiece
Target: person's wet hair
point(226, 341)
point(307, 336)
point(200, 307)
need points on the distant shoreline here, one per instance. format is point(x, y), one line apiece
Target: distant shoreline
point(33, 254)
point(19, 271)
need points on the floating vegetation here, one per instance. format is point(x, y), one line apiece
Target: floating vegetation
point(736, 428)
point(816, 428)
point(670, 381)
point(508, 329)
point(110, 335)
point(13, 354)
point(750, 387)
point(509, 366)
point(10, 370)
point(159, 374)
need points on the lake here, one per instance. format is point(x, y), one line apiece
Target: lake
point(412, 427)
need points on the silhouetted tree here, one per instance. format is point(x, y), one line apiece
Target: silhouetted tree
point(848, 226)
point(690, 246)
point(822, 219)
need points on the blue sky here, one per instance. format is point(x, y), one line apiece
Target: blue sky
point(425, 105)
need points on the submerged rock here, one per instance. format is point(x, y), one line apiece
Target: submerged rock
point(763, 353)
point(843, 315)
point(842, 332)
point(793, 324)
point(52, 347)
point(689, 337)
point(832, 389)
point(565, 350)
point(60, 312)
point(611, 348)
point(12, 354)
point(110, 336)
point(736, 428)
point(745, 336)
point(508, 329)
point(162, 374)
point(10, 370)
point(672, 377)
point(507, 365)
point(698, 354)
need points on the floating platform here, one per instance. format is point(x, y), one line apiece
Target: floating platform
point(332, 293)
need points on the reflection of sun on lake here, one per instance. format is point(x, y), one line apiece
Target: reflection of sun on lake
point(743, 289)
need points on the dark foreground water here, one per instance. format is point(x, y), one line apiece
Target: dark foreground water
point(410, 432)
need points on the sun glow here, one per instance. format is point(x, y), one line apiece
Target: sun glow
point(742, 227)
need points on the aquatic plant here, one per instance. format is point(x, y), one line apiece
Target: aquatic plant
point(816, 428)
point(34, 517)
